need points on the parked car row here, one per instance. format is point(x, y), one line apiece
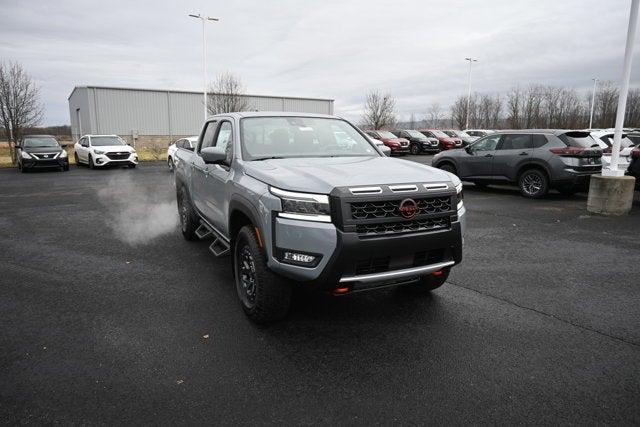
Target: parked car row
point(405, 141)
point(537, 160)
point(45, 152)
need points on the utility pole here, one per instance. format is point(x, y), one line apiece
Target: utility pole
point(204, 55)
point(593, 100)
point(471, 60)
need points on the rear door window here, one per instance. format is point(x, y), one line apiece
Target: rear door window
point(539, 140)
point(516, 142)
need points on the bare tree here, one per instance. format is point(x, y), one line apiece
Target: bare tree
point(379, 110)
point(434, 115)
point(20, 106)
point(514, 108)
point(226, 95)
point(459, 112)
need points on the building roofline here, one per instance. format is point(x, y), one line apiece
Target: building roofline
point(190, 92)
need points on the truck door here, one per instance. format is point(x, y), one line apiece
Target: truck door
point(513, 151)
point(218, 175)
point(200, 171)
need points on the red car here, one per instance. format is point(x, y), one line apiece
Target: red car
point(446, 142)
point(397, 145)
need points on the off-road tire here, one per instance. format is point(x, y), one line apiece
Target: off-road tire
point(426, 284)
point(533, 183)
point(188, 218)
point(271, 293)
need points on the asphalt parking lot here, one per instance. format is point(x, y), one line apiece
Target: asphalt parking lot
point(109, 316)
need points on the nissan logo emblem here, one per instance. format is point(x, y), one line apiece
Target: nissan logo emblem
point(408, 208)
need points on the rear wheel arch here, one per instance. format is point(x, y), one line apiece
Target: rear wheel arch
point(448, 162)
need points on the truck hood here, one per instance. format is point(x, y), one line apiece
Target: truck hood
point(322, 174)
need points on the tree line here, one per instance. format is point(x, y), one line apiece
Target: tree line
point(530, 107)
point(545, 107)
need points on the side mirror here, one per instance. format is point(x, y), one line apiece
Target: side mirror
point(468, 149)
point(213, 155)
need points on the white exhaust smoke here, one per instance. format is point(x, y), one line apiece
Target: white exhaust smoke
point(136, 214)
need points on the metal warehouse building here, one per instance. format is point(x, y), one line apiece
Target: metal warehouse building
point(147, 116)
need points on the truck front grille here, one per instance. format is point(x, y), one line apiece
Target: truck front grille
point(391, 208)
point(427, 224)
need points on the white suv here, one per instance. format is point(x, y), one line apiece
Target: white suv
point(188, 143)
point(103, 150)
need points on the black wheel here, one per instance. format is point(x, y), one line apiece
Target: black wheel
point(188, 217)
point(265, 296)
point(75, 157)
point(427, 284)
point(91, 165)
point(65, 168)
point(170, 164)
point(132, 166)
point(448, 167)
point(533, 183)
point(415, 149)
point(21, 168)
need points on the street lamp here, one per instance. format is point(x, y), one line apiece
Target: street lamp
point(593, 100)
point(471, 60)
point(204, 55)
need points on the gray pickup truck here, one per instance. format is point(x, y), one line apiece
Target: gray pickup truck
point(295, 202)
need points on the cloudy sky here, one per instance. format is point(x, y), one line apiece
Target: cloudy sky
point(336, 49)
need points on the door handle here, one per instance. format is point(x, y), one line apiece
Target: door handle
point(488, 155)
point(524, 153)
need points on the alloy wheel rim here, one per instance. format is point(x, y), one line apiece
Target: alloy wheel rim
point(247, 276)
point(532, 183)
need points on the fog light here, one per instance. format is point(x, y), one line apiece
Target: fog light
point(303, 259)
point(296, 257)
point(98, 160)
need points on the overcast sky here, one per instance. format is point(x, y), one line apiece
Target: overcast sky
point(329, 49)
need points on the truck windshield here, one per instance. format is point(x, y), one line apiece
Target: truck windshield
point(287, 137)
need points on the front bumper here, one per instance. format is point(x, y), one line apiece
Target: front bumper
point(429, 146)
point(363, 262)
point(399, 150)
point(44, 163)
point(105, 160)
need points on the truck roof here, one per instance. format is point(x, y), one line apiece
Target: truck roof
point(243, 114)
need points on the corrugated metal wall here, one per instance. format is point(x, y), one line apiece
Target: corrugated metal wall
point(124, 111)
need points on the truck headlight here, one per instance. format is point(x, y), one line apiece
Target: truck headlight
point(25, 155)
point(459, 195)
point(304, 206)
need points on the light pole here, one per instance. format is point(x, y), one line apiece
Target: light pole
point(593, 100)
point(471, 60)
point(204, 55)
point(624, 90)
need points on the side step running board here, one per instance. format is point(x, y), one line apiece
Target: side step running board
point(203, 231)
point(219, 247)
